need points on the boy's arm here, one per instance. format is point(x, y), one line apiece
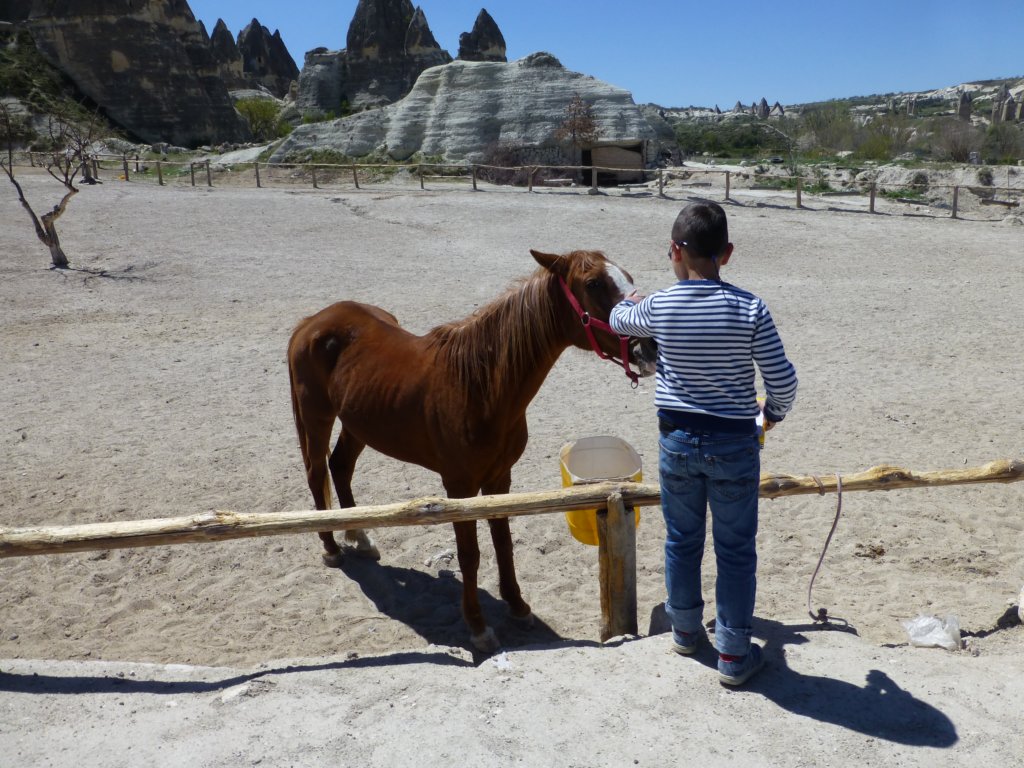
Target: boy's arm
point(632, 316)
point(777, 371)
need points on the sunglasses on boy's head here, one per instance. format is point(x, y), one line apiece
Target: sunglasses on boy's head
point(679, 244)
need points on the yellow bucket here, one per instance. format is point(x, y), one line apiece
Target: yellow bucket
point(593, 460)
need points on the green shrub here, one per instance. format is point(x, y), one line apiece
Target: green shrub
point(264, 118)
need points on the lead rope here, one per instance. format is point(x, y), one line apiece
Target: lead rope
point(822, 614)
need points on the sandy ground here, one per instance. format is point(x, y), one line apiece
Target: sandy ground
point(150, 382)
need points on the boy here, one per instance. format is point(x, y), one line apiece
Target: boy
point(710, 334)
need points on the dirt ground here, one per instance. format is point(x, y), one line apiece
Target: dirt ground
point(150, 381)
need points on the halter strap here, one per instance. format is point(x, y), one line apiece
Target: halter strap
point(590, 323)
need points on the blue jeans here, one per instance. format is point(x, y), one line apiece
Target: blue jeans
point(723, 470)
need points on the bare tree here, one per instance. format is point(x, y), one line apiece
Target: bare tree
point(955, 140)
point(579, 127)
point(69, 141)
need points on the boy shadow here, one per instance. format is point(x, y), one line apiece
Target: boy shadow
point(431, 606)
point(879, 708)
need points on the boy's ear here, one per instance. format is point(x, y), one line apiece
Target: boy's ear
point(724, 257)
point(552, 262)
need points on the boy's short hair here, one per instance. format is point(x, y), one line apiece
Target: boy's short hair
point(704, 229)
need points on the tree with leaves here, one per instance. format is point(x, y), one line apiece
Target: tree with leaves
point(579, 128)
point(69, 140)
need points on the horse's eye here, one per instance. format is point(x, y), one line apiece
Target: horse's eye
point(594, 285)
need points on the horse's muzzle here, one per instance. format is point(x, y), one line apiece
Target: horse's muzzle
point(644, 354)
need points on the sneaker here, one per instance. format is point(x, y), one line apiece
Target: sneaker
point(685, 643)
point(736, 670)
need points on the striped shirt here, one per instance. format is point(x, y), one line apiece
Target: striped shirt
point(710, 334)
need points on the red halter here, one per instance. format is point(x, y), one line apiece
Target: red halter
point(589, 323)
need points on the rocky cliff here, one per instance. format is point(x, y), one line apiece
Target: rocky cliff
point(465, 109)
point(148, 64)
point(485, 42)
point(265, 59)
point(389, 44)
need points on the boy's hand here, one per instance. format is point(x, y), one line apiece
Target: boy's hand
point(635, 297)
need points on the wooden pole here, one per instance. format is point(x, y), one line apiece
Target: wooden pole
point(473, 169)
point(312, 170)
point(529, 187)
point(192, 172)
point(419, 170)
point(871, 206)
point(956, 199)
point(209, 179)
point(136, 163)
point(616, 535)
point(95, 167)
point(159, 174)
point(727, 178)
point(124, 162)
point(224, 525)
point(799, 190)
point(256, 167)
point(661, 182)
point(593, 178)
point(355, 176)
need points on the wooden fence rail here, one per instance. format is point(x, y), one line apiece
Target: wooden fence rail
point(471, 171)
point(617, 546)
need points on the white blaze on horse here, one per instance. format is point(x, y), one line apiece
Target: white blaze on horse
point(453, 400)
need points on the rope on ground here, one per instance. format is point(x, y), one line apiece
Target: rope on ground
point(822, 615)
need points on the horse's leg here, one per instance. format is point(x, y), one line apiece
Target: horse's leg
point(343, 464)
point(501, 536)
point(317, 435)
point(482, 636)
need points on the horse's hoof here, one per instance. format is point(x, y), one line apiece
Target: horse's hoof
point(486, 641)
point(366, 551)
point(527, 620)
point(333, 560)
point(360, 545)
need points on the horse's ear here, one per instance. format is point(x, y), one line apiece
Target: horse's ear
point(552, 262)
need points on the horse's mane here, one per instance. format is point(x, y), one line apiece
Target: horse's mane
point(500, 341)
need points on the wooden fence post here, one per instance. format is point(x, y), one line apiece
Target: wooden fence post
point(419, 170)
point(192, 172)
point(529, 186)
point(593, 178)
point(136, 163)
point(728, 176)
point(355, 176)
point(661, 182)
point(256, 167)
point(159, 174)
point(616, 533)
point(799, 190)
point(956, 200)
point(312, 170)
point(209, 179)
point(871, 206)
point(95, 167)
point(124, 162)
point(474, 177)
point(31, 160)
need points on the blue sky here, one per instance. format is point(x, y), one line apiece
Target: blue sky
point(678, 53)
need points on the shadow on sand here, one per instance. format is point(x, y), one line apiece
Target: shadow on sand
point(879, 708)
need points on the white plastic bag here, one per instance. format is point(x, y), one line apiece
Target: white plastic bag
point(933, 632)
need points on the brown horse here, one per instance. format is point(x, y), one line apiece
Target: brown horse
point(453, 400)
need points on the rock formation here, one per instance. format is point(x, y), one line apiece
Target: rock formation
point(997, 103)
point(265, 59)
point(465, 109)
point(963, 106)
point(148, 63)
point(227, 56)
point(389, 44)
point(484, 43)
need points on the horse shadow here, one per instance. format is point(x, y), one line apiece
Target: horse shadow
point(431, 606)
point(880, 708)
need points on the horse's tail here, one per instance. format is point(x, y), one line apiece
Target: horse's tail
point(300, 425)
